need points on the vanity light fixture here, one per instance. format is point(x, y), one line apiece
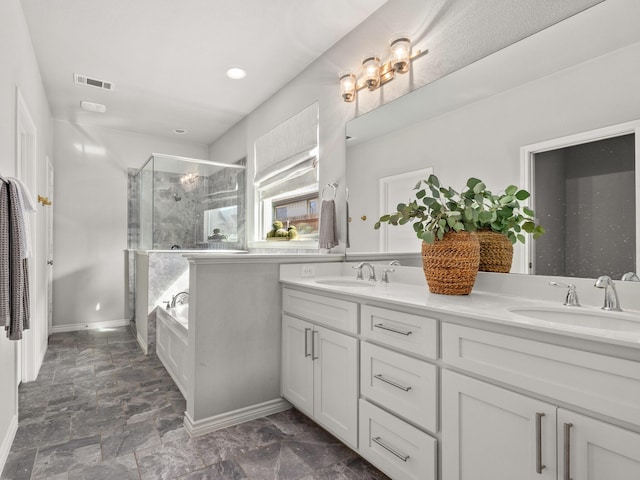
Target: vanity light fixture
point(374, 74)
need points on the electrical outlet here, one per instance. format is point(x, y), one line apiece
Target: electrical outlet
point(308, 271)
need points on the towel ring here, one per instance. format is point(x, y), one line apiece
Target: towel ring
point(333, 186)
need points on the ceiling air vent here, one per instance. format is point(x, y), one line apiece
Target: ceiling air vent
point(92, 82)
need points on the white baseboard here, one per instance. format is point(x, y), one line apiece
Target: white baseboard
point(74, 327)
point(235, 417)
point(142, 343)
point(7, 441)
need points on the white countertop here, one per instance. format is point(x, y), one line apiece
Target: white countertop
point(411, 291)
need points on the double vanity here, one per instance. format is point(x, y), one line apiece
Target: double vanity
point(487, 386)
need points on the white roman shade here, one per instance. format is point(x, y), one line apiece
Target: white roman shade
point(286, 157)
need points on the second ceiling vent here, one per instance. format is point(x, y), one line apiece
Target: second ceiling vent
point(92, 82)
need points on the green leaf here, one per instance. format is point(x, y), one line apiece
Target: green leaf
point(440, 234)
point(442, 223)
point(451, 221)
point(376, 226)
point(528, 227)
point(458, 226)
point(506, 199)
point(479, 187)
point(528, 211)
point(401, 206)
point(421, 194)
point(384, 218)
point(433, 180)
point(428, 236)
point(520, 237)
point(511, 190)
point(468, 213)
point(417, 185)
point(404, 220)
point(522, 195)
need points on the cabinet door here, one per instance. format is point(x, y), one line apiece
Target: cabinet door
point(297, 366)
point(492, 433)
point(335, 403)
point(597, 450)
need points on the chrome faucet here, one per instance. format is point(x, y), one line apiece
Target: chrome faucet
point(630, 277)
point(385, 275)
point(571, 300)
point(372, 271)
point(174, 299)
point(611, 301)
point(395, 263)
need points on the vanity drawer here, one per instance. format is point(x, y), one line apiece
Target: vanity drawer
point(333, 313)
point(600, 383)
point(405, 385)
point(413, 333)
point(395, 447)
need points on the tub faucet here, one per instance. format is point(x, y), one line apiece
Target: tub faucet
point(175, 298)
point(372, 272)
point(611, 301)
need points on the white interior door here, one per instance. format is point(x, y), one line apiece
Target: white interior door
point(29, 352)
point(49, 246)
point(396, 189)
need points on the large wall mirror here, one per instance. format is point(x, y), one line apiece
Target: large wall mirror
point(474, 122)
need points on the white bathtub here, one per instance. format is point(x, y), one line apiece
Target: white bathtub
point(172, 342)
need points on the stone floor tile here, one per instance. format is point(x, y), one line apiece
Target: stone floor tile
point(364, 470)
point(132, 437)
point(226, 470)
point(120, 468)
point(273, 462)
point(19, 465)
point(169, 460)
point(96, 421)
point(62, 457)
point(48, 432)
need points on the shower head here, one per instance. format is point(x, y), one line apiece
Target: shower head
point(176, 197)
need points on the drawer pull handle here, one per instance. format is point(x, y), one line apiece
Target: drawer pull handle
point(391, 382)
point(382, 326)
point(402, 457)
point(539, 465)
point(567, 451)
point(306, 342)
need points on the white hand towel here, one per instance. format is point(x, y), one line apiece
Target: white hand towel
point(328, 235)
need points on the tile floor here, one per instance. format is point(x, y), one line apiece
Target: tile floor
point(100, 409)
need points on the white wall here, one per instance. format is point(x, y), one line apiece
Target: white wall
point(19, 69)
point(484, 139)
point(456, 34)
point(90, 211)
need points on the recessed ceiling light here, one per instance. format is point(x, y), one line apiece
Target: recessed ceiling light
point(179, 131)
point(236, 73)
point(93, 107)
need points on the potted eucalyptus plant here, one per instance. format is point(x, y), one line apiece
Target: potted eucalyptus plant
point(502, 219)
point(464, 232)
point(444, 220)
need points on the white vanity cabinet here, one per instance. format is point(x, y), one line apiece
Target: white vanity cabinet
point(319, 364)
point(399, 391)
point(491, 432)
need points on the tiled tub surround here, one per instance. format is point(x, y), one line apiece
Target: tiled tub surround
point(102, 410)
point(472, 366)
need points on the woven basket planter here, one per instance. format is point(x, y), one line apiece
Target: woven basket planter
point(496, 252)
point(451, 264)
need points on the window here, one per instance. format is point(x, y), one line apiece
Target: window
point(300, 211)
point(286, 176)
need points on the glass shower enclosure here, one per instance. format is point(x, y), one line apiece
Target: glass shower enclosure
point(187, 203)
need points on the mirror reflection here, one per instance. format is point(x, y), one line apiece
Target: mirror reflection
point(475, 122)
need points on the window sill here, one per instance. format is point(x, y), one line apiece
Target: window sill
point(293, 244)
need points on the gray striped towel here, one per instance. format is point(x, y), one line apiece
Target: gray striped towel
point(328, 237)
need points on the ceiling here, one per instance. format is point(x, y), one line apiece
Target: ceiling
point(168, 58)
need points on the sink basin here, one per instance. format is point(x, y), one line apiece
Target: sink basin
point(345, 282)
point(581, 317)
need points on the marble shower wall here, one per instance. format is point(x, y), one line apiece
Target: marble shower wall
point(179, 204)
